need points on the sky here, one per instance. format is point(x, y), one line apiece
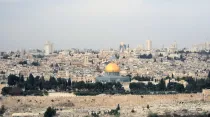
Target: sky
point(101, 24)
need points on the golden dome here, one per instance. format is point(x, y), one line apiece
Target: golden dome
point(112, 67)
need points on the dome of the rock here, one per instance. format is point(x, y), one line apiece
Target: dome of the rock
point(112, 67)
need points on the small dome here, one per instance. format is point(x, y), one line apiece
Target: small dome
point(112, 67)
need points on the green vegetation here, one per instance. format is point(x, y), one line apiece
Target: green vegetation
point(151, 114)
point(117, 56)
point(50, 112)
point(23, 62)
point(2, 110)
point(35, 63)
point(81, 88)
point(38, 56)
point(93, 114)
point(34, 86)
point(39, 86)
point(143, 78)
point(115, 112)
point(144, 56)
point(111, 113)
point(194, 86)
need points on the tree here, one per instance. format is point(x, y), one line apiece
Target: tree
point(179, 88)
point(155, 60)
point(150, 86)
point(41, 83)
point(69, 82)
point(99, 86)
point(59, 80)
point(23, 62)
point(20, 84)
point(79, 85)
point(162, 85)
point(115, 112)
point(144, 56)
point(50, 112)
point(137, 86)
point(118, 107)
point(62, 84)
point(13, 80)
point(36, 82)
point(31, 80)
point(209, 75)
point(21, 79)
point(11, 91)
point(172, 75)
point(53, 82)
point(6, 90)
point(117, 56)
point(35, 63)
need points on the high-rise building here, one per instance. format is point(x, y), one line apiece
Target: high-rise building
point(122, 47)
point(149, 45)
point(48, 47)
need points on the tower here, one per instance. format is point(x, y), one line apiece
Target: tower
point(48, 48)
point(128, 47)
point(122, 47)
point(149, 45)
point(86, 60)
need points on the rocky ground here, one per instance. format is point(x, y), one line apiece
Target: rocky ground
point(130, 106)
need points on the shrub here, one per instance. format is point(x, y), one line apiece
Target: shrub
point(93, 114)
point(11, 91)
point(118, 107)
point(151, 114)
point(46, 93)
point(133, 111)
point(85, 93)
point(147, 106)
point(50, 112)
point(115, 112)
point(2, 110)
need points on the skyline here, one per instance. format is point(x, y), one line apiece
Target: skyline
point(96, 24)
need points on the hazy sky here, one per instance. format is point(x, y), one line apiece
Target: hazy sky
point(98, 24)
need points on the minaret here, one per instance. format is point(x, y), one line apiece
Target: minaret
point(86, 60)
